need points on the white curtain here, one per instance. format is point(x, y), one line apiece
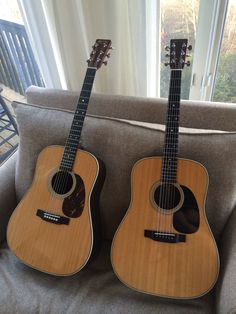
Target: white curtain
point(72, 26)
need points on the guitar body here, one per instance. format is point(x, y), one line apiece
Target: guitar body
point(58, 233)
point(154, 263)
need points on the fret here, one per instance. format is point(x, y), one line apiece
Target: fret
point(73, 139)
point(171, 171)
point(170, 150)
point(82, 104)
point(78, 123)
point(86, 90)
point(69, 154)
point(169, 175)
point(69, 158)
point(80, 115)
point(85, 94)
point(75, 130)
point(66, 165)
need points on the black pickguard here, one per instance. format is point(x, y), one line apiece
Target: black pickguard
point(73, 205)
point(186, 219)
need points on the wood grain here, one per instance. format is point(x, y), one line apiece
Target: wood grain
point(181, 270)
point(52, 248)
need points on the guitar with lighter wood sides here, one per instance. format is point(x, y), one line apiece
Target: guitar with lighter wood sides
point(164, 245)
point(55, 227)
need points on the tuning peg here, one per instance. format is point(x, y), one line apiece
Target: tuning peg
point(167, 55)
point(94, 46)
point(167, 48)
point(187, 63)
point(88, 60)
point(105, 62)
point(166, 64)
point(187, 56)
point(108, 55)
point(190, 47)
point(112, 48)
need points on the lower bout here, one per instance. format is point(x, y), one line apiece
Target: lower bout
point(167, 271)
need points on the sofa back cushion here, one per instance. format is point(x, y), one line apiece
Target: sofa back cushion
point(194, 114)
point(120, 143)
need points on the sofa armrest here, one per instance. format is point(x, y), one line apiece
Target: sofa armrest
point(7, 192)
point(225, 289)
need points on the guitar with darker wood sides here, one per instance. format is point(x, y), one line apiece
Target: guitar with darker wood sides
point(55, 227)
point(164, 245)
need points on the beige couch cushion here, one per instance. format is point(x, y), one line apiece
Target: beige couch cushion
point(194, 114)
point(120, 144)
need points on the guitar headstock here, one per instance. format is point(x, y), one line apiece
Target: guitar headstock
point(99, 53)
point(177, 53)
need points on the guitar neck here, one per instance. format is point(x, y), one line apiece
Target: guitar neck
point(169, 161)
point(73, 139)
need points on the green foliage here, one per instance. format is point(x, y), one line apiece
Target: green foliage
point(225, 88)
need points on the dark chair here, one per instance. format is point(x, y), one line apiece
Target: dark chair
point(8, 130)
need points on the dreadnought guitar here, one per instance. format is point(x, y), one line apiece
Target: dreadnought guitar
point(164, 245)
point(54, 228)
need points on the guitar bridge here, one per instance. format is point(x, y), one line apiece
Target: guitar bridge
point(56, 219)
point(168, 237)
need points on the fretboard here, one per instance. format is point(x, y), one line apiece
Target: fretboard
point(73, 139)
point(169, 160)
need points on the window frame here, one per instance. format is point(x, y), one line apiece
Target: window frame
point(210, 32)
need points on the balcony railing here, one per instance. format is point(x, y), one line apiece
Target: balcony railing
point(18, 68)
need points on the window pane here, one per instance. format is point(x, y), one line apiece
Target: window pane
point(225, 86)
point(18, 67)
point(178, 20)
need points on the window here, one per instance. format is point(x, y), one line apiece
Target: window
point(18, 67)
point(225, 84)
point(178, 20)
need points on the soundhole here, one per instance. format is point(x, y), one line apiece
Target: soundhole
point(62, 182)
point(167, 196)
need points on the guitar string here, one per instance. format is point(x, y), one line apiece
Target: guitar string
point(166, 158)
point(164, 188)
point(175, 140)
point(171, 150)
point(175, 113)
point(65, 181)
point(62, 181)
point(164, 185)
point(171, 155)
point(178, 95)
point(167, 197)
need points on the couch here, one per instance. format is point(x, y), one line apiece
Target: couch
point(120, 130)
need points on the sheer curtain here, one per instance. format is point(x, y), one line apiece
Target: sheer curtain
point(70, 27)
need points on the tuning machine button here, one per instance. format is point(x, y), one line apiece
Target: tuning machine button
point(167, 55)
point(105, 62)
point(187, 63)
point(167, 48)
point(108, 55)
point(167, 63)
point(190, 47)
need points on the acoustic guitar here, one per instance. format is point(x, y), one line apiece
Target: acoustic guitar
point(55, 227)
point(164, 245)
